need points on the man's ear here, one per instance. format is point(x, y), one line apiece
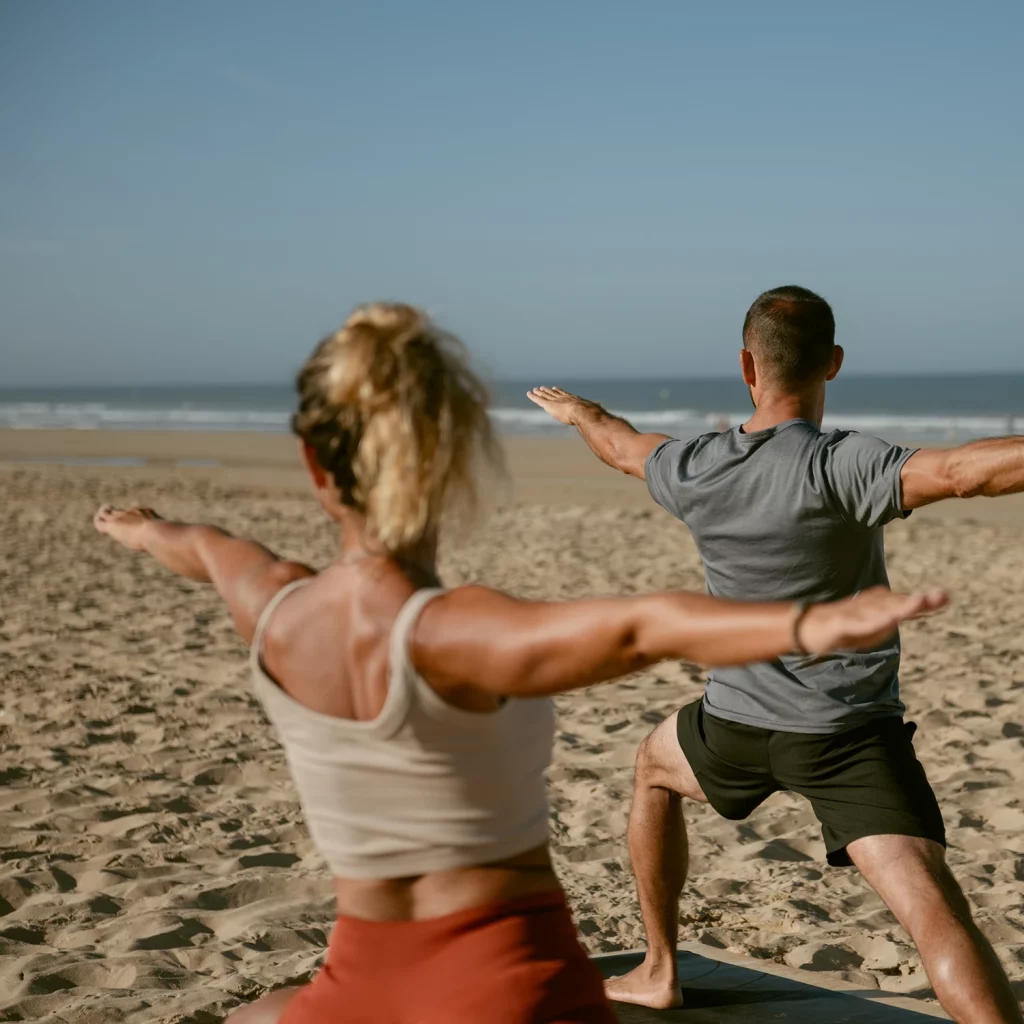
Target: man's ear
point(837, 362)
point(313, 467)
point(748, 368)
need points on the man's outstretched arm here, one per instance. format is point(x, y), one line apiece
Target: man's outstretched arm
point(611, 438)
point(992, 467)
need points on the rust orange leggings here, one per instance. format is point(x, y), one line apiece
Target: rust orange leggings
point(513, 963)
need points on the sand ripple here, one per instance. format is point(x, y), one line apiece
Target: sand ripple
point(153, 863)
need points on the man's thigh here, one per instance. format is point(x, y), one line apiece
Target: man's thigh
point(861, 783)
point(724, 762)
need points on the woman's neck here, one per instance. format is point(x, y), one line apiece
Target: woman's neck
point(355, 544)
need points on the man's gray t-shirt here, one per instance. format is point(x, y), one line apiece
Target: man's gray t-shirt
point(784, 514)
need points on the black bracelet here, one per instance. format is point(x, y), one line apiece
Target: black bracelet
point(800, 610)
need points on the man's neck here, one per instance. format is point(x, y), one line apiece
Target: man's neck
point(774, 408)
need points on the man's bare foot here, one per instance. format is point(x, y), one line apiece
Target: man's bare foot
point(125, 525)
point(645, 986)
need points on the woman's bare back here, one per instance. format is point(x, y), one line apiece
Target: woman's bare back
point(327, 646)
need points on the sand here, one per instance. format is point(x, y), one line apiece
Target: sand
point(153, 862)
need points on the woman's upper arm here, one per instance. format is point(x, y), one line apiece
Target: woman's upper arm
point(251, 595)
point(247, 575)
point(478, 637)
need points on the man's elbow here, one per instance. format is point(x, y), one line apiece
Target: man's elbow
point(626, 460)
point(961, 480)
point(939, 475)
point(612, 455)
point(968, 488)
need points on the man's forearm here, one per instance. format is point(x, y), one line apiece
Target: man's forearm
point(604, 433)
point(611, 438)
point(614, 440)
point(989, 468)
point(992, 467)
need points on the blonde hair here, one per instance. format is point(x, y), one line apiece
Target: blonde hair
point(396, 416)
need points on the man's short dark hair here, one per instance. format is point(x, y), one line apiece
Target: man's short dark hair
point(792, 333)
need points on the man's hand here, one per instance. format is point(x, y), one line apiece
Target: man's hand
point(611, 438)
point(562, 406)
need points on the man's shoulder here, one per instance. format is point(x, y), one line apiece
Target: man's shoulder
point(712, 438)
point(854, 441)
point(675, 467)
point(683, 448)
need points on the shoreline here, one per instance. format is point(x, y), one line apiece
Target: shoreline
point(554, 471)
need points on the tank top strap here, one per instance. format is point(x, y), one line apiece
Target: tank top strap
point(401, 670)
point(256, 647)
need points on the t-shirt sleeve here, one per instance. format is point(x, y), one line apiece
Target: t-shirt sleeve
point(666, 472)
point(863, 474)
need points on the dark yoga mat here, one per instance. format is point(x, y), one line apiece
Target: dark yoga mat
point(716, 992)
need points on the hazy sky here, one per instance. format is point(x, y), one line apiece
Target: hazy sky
point(194, 191)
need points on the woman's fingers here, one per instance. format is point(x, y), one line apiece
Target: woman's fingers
point(867, 619)
point(899, 608)
point(109, 518)
point(912, 606)
point(934, 601)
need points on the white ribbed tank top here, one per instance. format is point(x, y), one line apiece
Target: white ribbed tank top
point(424, 786)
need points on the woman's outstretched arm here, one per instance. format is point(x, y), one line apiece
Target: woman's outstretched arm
point(244, 573)
point(478, 638)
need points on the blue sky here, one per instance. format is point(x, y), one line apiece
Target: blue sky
point(194, 192)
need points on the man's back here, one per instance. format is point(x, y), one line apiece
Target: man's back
point(790, 513)
point(783, 511)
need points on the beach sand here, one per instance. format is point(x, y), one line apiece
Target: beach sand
point(153, 862)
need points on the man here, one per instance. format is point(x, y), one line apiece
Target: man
point(780, 510)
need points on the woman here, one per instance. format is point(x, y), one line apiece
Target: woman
point(416, 720)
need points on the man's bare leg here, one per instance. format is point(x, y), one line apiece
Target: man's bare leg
point(658, 850)
point(912, 877)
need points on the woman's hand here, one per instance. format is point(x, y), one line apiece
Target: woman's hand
point(246, 574)
point(125, 525)
point(863, 621)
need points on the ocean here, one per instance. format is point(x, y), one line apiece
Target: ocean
point(924, 408)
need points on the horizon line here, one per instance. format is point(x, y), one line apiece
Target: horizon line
point(550, 377)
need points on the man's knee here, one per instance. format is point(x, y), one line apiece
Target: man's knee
point(661, 763)
point(912, 876)
point(949, 893)
point(654, 756)
point(938, 899)
point(646, 761)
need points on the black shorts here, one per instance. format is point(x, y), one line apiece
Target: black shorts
point(865, 781)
